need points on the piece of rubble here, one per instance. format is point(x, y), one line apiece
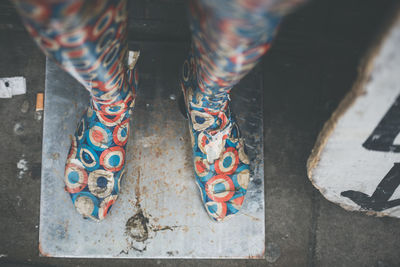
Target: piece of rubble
point(12, 86)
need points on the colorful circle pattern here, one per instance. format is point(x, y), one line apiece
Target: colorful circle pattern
point(88, 40)
point(223, 182)
point(96, 161)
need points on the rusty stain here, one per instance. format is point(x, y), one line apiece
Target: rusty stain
point(55, 156)
point(139, 227)
point(42, 253)
point(137, 189)
point(212, 229)
point(163, 228)
point(144, 189)
point(252, 217)
point(136, 226)
point(183, 189)
point(158, 151)
point(258, 256)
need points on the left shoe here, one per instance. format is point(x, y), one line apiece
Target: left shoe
point(220, 160)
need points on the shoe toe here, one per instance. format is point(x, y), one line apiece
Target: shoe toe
point(92, 193)
point(223, 193)
point(95, 166)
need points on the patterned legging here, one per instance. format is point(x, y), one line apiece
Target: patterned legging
point(88, 39)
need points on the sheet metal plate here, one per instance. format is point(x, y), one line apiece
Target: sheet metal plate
point(159, 213)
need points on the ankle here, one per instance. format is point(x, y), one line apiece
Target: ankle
point(199, 100)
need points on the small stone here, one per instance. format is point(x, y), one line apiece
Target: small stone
point(38, 115)
point(172, 97)
point(18, 129)
point(22, 166)
point(55, 156)
point(273, 252)
point(25, 106)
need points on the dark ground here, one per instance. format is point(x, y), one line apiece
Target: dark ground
point(311, 66)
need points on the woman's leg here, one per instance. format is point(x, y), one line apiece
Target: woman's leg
point(88, 40)
point(228, 39)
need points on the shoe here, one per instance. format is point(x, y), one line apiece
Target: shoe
point(96, 159)
point(220, 160)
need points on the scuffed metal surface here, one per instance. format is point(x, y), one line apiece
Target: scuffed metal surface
point(159, 213)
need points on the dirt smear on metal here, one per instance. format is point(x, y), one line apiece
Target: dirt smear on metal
point(138, 228)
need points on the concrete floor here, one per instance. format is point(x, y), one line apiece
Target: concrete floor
point(312, 64)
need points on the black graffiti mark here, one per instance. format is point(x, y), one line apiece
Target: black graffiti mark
point(382, 139)
point(383, 136)
point(137, 227)
point(380, 198)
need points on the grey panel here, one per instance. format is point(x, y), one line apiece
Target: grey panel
point(159, 213)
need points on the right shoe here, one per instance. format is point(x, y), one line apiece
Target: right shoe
point(96, 159)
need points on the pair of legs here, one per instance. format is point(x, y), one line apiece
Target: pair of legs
point(88, 40)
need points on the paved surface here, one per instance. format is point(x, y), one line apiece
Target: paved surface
point(312, 64)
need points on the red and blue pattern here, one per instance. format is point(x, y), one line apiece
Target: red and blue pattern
point(228, 39)
point(221, 164)
point(88, 40)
